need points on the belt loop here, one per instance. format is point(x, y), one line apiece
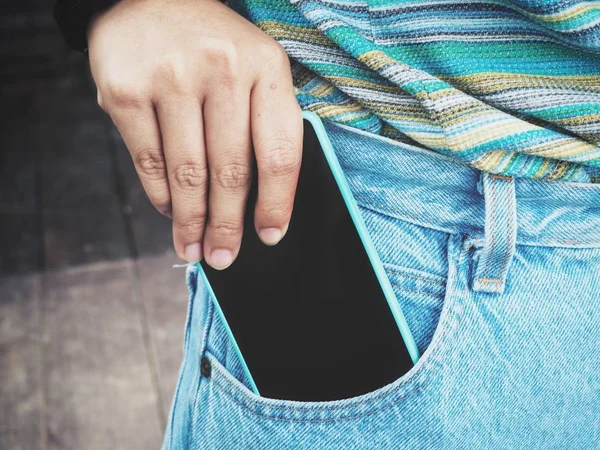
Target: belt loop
point(500, 233)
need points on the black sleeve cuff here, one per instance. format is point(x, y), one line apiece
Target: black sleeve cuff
point(73, 16)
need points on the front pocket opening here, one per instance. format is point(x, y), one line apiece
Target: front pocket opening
point(415, 382)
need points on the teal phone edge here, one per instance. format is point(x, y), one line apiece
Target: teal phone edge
point(376, 263)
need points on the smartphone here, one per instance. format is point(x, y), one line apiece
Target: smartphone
point(313, 318)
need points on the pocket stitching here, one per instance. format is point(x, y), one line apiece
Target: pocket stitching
point(452, 325)
point(203, 336)
point(441, 296)
point(401, 215)
point(409, 275)
point(454, 312)
point(409, 394)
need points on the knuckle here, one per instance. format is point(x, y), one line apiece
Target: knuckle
point(233, 175)
point(226, 228)
point(223, 56)
point(172, 73)
point(193, 225)
point(280, 57)
point(280, 157)
point(275, 62)
point(123, 94)
point(189, 176)
point(273, 53)
point(150, 163)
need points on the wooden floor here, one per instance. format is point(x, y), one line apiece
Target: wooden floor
point(91, 310)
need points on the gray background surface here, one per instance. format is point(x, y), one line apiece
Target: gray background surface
point(91, 312)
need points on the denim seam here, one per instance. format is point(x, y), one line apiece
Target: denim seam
point(455, 312)
point(184, 362)
point(385, 210)
point(419, 221)
point(509, 228)
point(402, 145)
point(461, 164)
point(571, 184)
point(409, 394)
point(417, 292)
point(493, 233)
point(204, 343)
point(426, 375)
point(416, 277)
point(176, 398)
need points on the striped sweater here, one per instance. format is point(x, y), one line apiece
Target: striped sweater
point(510, 87)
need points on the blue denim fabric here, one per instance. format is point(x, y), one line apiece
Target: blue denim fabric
point(499, 281)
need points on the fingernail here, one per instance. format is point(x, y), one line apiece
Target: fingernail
point(270, 236)
point(167, 213)
point(193, 252)
point(221, 258)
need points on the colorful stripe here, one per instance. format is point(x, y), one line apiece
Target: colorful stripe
point(509, 87)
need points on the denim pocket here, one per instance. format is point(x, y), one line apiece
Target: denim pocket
point(421, 297)
point(416, 260)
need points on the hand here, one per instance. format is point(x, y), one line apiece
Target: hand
point(194, 89)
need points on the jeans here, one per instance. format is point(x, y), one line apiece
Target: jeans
point(499, 279)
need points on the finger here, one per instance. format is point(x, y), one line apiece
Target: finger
point(276, 122)
point(141, 134)
point(180, 120)
point(228, 145)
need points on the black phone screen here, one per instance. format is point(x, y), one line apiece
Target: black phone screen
point(308, 314)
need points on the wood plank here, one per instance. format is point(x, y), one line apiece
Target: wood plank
point(22, 411)
point(164, 294)
point(20, 231)
point(163, 288)
point(20, 212)
point(17, 158)
point(19, 243)
point(21, 400)
point(76, 163)
point(81, 209)
point(85, 236)
point(99, 379)
point(100, 392)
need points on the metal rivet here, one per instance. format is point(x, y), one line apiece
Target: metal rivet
point(205, 366)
